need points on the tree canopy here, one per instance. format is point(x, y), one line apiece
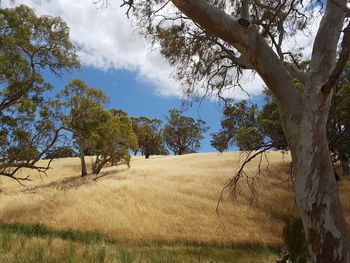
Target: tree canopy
point(29, 45)
point(105, 134)
point(85, 112)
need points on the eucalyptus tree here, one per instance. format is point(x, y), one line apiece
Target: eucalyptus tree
point(149, 136)
point(29, 124)
point(111, 141)
point(209, 42)
point(183, 134)
point(85, 112)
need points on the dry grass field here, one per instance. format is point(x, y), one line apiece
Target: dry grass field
point(165, 200)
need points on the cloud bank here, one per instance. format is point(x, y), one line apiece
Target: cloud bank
point(108, 40)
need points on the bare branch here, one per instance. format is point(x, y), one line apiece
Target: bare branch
point(233, 183)
point(130, 5)
point(245, 9)
point(249, 43)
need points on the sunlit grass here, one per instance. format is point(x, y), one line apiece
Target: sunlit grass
point(17, 248)
point(164, 205)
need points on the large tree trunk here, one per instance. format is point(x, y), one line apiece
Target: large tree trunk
point(316, 189)
point(82, 160)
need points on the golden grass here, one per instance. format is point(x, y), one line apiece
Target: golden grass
point(165, 198)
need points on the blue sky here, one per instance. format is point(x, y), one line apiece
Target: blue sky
point(129, 93)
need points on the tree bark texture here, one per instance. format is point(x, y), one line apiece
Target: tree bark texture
point(303, 117)
point(316, 189)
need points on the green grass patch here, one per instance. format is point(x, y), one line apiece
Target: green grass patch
point(39, 230)
point(36, 243)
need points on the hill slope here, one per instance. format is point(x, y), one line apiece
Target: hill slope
point(165, 198)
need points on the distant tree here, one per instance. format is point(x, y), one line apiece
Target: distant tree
point(85, 113)
point(183, 134)
point(150, 139)
point(270, 125)
point(60, 152)
point(29, 124)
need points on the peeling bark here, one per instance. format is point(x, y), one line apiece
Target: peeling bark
point(316, 189)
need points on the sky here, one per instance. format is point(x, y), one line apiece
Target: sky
point(116, 59)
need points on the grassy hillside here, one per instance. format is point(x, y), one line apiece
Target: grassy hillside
point(167, 200)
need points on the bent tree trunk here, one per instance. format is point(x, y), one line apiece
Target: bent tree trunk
point(316, 189)
point(98, 165)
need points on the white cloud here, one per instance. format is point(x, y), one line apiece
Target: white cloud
point(108, 40)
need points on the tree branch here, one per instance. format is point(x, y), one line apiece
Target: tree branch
point(251, 45)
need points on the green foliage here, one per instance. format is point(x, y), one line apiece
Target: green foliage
point(111, 141)
point(183, 134)
point(29, 123)
point(201, 59)
point(30, 44)
point(39, 230)
point(85, 112)
point(149, 136)
point(270, 125)
point(294, 240)
point(106, 134)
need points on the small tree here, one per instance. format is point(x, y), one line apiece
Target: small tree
point(85, 113)
point(111, 141)
point(183, 134)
